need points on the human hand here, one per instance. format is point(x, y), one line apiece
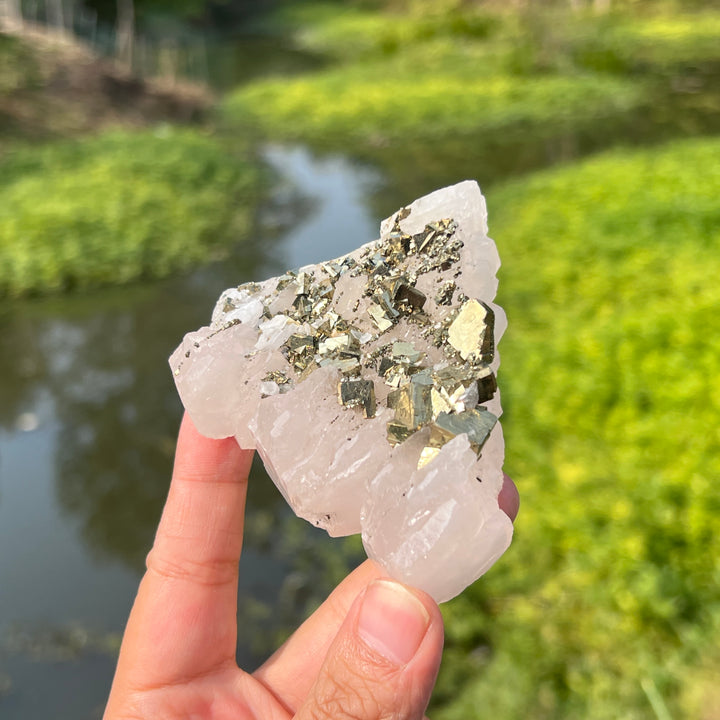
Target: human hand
point(371, 651)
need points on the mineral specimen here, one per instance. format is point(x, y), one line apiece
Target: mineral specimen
point(367, 384)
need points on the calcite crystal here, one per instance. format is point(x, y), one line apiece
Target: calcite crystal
point(367, 385)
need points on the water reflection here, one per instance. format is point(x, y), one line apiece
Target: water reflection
point(80, 495)
point(22, 365)
point(237, 59)
point(340, 220)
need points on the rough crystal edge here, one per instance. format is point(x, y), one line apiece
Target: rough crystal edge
point(421, 212)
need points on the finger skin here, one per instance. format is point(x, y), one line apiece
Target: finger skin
point(509, 498)
point(292, 669)
point(387, 672)
point(183, 622)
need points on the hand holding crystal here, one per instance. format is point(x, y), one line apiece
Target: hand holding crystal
point(371, 650)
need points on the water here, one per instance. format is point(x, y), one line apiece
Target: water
point(88, 416)
point(232, 60)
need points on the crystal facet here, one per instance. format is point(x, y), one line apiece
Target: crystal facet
point(367, 385)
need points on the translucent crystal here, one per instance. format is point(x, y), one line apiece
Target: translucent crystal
point(367, 385)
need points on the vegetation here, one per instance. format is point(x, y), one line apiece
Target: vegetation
point(376, 107)
point(400, 78)
point(609, 600)
point(543, 38)
point(118, 207)
point(607, 605)
point(18, 66)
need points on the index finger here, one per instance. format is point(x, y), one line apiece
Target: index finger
point(183, 623)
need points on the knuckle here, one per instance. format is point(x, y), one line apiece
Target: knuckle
point(349, 694)
point(344, 701)
point(208, 573)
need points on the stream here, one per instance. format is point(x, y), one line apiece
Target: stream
point(88, 417)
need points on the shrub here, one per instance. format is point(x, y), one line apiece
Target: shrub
point(351, 31)
point(18, 66)
point(367, 105)
point(118, 207)
point(609, 596)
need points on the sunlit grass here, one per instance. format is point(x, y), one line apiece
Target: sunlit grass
point(366, 105)
point(564, 39)
point(610, 380)
point(680, 38)
point(417, 76)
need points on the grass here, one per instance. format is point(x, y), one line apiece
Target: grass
point(670, 40)
point(608, 602)
point(118, 207)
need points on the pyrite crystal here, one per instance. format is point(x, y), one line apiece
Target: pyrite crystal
point(367, 384)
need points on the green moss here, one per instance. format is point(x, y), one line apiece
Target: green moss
point(610, 379)
point(118, 207)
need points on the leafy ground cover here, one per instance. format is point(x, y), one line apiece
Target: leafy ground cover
point(534, 38)
point(372, 106)
point(418, 76)
point(608, 603)
point(118, 207)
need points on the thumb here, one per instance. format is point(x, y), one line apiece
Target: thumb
point(384, 659)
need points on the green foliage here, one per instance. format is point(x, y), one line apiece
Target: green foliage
point(351, 32)
point(459, 71)
point(655, 45)
point(118, 207)
point(671, 39)
point(370, 105)
point(539, 37)
point(609, 599)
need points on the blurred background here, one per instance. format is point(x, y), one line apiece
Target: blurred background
point(154, 152)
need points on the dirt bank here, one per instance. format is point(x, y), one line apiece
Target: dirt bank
point(53, 85)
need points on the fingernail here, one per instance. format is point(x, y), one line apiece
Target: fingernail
point(392, 621)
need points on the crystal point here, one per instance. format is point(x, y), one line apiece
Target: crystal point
point(367, 385)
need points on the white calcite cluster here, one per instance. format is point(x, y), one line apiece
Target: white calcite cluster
point(367, 385)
